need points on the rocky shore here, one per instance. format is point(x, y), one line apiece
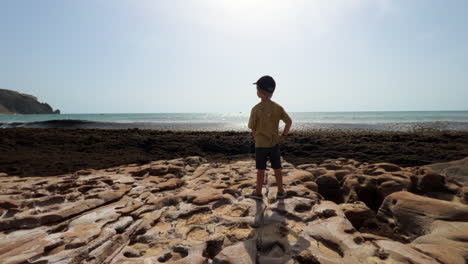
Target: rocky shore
point(190, 210)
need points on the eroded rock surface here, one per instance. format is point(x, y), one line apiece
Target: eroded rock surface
point(457, 169)
point(190, 211)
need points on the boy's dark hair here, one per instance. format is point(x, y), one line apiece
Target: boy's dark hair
point(266, 83)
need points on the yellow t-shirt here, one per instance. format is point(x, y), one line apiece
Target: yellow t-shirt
point(264, 119)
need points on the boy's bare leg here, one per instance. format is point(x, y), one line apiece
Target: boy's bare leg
point(260, 177)
point(279, 179)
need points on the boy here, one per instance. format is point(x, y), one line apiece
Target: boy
point(264, 123)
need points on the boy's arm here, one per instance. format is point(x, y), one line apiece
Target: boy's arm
point(252, 122)
point(287, 127)
point(288, 122)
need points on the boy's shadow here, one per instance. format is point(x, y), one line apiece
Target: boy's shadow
point(275, 241)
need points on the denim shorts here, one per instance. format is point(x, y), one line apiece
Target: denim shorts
point(263, 154)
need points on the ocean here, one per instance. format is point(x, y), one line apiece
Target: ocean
point(387, 121)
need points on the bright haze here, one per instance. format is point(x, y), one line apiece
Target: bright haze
point(149, 56)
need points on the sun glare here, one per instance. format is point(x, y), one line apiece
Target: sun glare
point(249, 11)
point(246, 5)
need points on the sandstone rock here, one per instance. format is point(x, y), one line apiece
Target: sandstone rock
point(414, 214)
point(444, 240)
point(329, 187)
point(306, 166)
point(204, 196)
point(464, 194)
point(189, 211)
point(168, 185)
point(295, 177)
point(242, 253)
point(311, 186)
point(357, 213)
point(457, 170)
point(194, 160)
point(372, 189)
point(8, 203)
point(430, 181)
point(388, 167)
point(83, 172)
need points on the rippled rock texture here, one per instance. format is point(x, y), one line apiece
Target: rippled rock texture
point(190, 211)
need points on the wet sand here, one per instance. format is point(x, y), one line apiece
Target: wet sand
point(54, 151)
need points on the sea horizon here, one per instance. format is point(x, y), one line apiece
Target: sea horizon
point(232, 112)
point(212, 121)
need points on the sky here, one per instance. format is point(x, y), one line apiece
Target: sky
point(151, 56)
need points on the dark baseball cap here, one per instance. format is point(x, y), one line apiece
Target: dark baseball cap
point(266, 83)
